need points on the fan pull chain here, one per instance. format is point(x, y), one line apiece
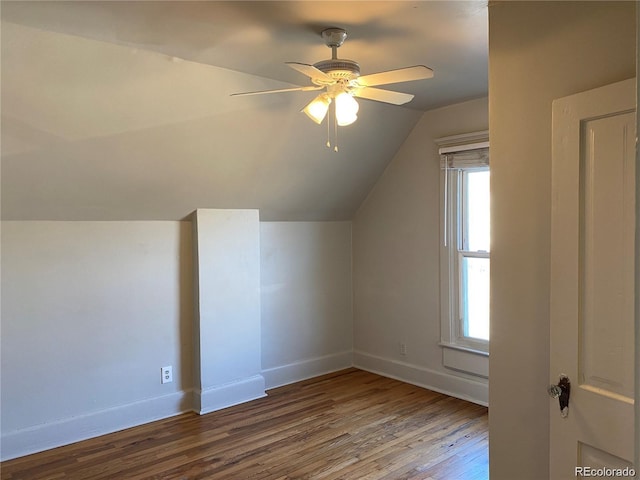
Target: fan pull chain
point(335, 128)
point(329, 131)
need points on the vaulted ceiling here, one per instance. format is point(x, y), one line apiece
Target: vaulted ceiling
point(122, 110)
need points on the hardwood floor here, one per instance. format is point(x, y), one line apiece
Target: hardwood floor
point(346, 425)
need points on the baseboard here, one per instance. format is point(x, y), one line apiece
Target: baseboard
point(63, 432)
point(304, 369)
point(227, 395)
point(476, 391)
point(70, 430)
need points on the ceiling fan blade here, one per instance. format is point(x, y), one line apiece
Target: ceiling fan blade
point(380, 95)
point(408, 74)
point(312, 72)
point(294, 89)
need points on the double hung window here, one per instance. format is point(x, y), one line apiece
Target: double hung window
point(465, 252)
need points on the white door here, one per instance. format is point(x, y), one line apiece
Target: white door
point(592, 281)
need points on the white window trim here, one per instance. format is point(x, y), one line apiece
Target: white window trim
point(460, 353)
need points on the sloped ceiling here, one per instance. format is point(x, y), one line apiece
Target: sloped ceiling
point(122, 110)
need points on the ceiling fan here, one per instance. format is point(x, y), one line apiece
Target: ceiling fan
point(340, 81)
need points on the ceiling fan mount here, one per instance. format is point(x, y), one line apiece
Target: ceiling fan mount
point(333, 36)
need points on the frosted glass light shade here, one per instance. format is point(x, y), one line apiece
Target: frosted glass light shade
point(317, 109)
point(346, 109)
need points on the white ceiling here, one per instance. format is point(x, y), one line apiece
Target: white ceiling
point(121, 110)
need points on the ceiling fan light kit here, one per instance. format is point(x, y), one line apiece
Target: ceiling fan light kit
point(341, 81)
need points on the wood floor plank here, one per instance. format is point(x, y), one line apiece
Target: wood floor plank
point(348, 425)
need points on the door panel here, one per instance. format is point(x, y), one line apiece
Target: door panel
point(592, 278)
point(596, 458)
point(607, 231)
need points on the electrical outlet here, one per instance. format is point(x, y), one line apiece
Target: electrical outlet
point(167, 374)
point(403, 349)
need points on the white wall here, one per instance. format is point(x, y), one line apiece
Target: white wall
point(306, 299)
point(637, 262)
point(92, 310)
point(538, 51)
point(227, 314)
point(396, 244)
point(90, 313)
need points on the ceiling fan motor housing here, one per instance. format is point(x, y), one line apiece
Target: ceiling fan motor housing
point(339, 69)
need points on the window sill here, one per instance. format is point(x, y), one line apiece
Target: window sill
point(463, 348)
point(465, 359)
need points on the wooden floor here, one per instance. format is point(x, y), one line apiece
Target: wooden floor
point(347, 425)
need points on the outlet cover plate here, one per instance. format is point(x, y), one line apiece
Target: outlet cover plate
point(167, 374)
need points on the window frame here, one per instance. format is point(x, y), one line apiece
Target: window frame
point(461, 349)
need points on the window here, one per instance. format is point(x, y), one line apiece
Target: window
point(473, 254)
point(465, 251)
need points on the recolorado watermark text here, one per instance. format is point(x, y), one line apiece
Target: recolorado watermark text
point(604, 472)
